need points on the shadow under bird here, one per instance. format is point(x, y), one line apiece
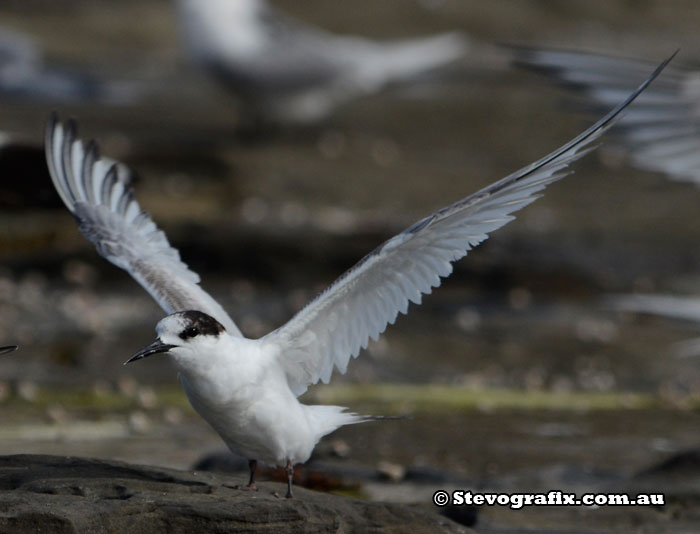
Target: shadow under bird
point(289, 72)
point(248, 389)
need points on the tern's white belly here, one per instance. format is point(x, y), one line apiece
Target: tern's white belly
point(258, 422)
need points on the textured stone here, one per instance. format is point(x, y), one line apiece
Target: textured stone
point(69, 495)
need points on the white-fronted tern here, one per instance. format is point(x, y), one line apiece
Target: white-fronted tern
point(247, 389)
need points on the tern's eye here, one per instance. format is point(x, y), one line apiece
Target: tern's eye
point(192, 331)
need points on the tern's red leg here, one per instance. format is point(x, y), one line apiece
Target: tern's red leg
point(252, 465)
point(290, 477)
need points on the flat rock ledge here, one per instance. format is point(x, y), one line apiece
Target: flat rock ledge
point(56, 494)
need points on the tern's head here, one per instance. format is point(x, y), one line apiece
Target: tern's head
point(184, 335)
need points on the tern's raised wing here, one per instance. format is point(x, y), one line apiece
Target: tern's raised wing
point(662, 130)
point(361, 303)
point(97, 191)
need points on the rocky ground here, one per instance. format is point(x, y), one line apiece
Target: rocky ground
point(74, 495)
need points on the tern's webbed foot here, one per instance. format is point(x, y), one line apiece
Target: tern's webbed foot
point(252, 465)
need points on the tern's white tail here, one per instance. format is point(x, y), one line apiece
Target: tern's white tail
point(325, 419)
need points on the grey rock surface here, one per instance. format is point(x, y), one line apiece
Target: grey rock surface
point(57, 494)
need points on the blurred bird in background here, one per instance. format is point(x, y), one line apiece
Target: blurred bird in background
point(288, 72)
point(661, 133)
point(684, 308)
point(26, 77)
point(24, 74)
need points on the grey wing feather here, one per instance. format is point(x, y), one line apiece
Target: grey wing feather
point(359, 305)
point(97, 191)
point(662, 131)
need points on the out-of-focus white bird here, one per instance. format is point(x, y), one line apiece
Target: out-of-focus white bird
point(684, 308)
point(24, 74)
point(289, 72)
point(661, 132)
point(247, 389)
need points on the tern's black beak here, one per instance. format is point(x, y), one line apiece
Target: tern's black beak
point(154, 348)
point(9, 348)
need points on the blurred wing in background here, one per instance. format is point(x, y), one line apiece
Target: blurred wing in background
point(661, 132)
point(97, 191)
point(362, 302)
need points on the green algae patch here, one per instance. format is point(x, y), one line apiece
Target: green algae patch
point(89, 401)
point(390, 398)
point(402, 398)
